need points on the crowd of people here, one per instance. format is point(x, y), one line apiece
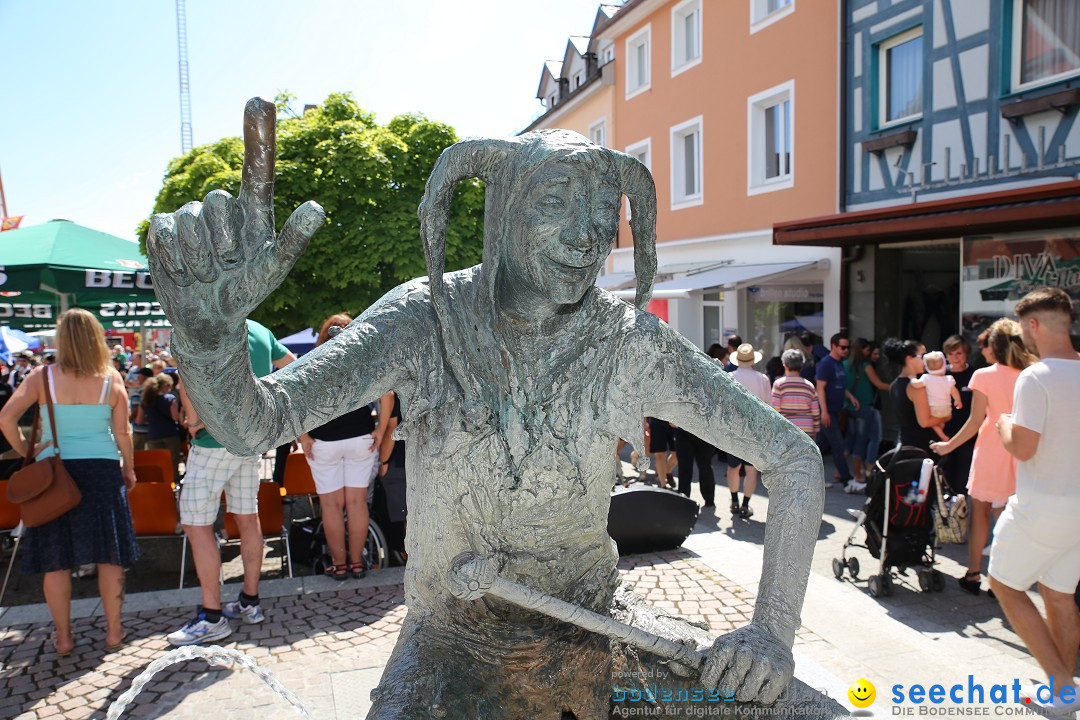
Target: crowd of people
point(111, 402)
point(1001, 431)
point(827, 394)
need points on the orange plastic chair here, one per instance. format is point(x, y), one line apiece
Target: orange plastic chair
point(9, 520)
point(298, 480)
point(155, 515)
point(9, 511)
point(160, 457)
point(150, 473)
point(271, 521)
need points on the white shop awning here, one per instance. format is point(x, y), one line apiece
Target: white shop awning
point(613, 281)
point(728, 277)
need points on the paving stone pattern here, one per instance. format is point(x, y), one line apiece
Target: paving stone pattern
point(328, 642)
point(320, 646)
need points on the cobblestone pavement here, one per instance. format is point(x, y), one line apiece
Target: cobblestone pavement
point(322, 646)
point(328, 642)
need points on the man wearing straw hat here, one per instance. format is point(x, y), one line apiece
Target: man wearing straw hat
point(746, 357)
point(517, 378)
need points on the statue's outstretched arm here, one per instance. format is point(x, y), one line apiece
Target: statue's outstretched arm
point(212, 264)
point(250, 415)
point(696, 394)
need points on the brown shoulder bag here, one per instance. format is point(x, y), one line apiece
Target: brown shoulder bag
point(43, 490)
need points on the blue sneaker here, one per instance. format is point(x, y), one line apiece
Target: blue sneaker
point(199, 631)
point(251, 614)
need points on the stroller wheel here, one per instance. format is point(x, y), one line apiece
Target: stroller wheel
point(887, 584)
point(853, 567)
point(925, 580)
point(876, 589)
point(838, 568)
point(937, 581)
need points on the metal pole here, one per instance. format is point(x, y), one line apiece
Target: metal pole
point(61, 297)
point(3, 200)
point(471, 577)
point(15, 551)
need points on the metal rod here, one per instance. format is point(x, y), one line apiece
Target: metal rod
point(885, 527)
point(14, 552)
point(1005, 154)
point(473, 576)
point(594, 622)
point(3, 200)
point(1042, 146)
point(948, 164)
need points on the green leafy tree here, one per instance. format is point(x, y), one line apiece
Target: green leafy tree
point(369, 178)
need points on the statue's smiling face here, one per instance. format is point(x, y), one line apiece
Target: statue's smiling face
point(564, 228)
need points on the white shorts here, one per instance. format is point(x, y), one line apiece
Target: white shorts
point(338, 464)
point(211, 470)
point(1019, 561)
point(941, 411)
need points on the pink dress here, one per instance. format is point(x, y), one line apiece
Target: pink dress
point(993, 469)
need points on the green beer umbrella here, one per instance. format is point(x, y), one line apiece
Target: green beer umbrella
point(47, 268)
point(39, 309)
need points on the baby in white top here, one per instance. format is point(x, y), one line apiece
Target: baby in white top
point(941, 390)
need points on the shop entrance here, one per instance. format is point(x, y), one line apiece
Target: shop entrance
point(917, 293)
point(774, 313)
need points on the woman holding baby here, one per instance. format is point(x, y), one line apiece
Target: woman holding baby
point(993, 470)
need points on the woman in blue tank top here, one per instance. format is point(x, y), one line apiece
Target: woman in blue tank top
point(92, 423)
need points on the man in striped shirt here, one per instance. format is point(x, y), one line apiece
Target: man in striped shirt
point(794, 397)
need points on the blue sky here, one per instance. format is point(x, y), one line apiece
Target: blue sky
point(90, 115)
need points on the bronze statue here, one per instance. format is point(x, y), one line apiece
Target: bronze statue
point(517, 377)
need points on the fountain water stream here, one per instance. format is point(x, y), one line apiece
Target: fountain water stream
point(214, 655)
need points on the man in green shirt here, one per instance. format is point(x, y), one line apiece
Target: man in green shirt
point(212, 469)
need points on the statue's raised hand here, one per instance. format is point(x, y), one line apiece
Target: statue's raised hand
point(213, 262)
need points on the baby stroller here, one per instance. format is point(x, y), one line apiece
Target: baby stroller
point(899, 522)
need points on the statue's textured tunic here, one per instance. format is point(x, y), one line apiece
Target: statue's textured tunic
point(530, 488)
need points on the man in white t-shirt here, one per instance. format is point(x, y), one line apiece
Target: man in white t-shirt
point(1036, 540)
point(745, 358)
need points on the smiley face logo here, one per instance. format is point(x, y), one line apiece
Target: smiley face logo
point(861, 693)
